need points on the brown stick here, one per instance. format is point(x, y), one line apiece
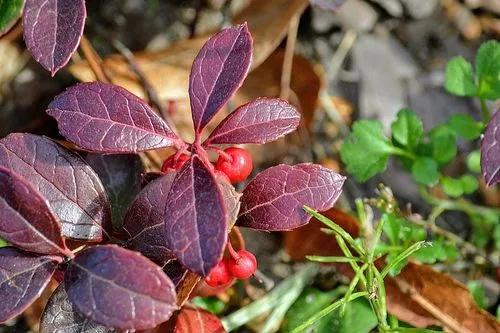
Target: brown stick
point(95, 62)
point(286, 72)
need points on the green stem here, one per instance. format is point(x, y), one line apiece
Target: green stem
point(485, 112)
point(404, 153)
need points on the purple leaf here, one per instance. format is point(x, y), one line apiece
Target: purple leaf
point(217, 72)
point(144, 221)
point(260, 121)
point(70, 187)
point(275, 198)
point(23, 277)
point(25, 218)
point(490, 151)
point(60, 316)
point(102, 117)
point(52, 30)
point(175, 271)
point(195, 218)
point(231, 199)
point(119, 288)
point(121, 177)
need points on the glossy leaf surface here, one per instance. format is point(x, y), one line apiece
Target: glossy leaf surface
point(119, 288)
point(23, 277)
point(195, 218)
point(145, 223)
point(25, 218)
point(52, 30)
point(10, 12)
point(121, 177)
point(106, 118)
point(194, 320)
point(260, 121)
point(490, 151)
point(218, 71)
point(274, 199)
point(72, 189)
point(60, 316)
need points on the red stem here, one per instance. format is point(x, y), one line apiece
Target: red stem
point(231, 250)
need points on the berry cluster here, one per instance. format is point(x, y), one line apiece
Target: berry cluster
point(240, 265)
point(235, 163)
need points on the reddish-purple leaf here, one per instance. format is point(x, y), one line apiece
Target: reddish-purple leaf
point(102, 117)
point(52, 30)
point(175, 271)
point(260, 121)
point(23, 277)
point(71, 188)
point(194, 320)
point(217, 72)
point(490, 151)
point(119, 288)
point(275, 198)
point(25, 218)
point(60, 316)
point(145, 223)
point(195, 218)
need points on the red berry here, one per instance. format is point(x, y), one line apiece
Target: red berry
point(219, 275)
point(174, 162)
point(243, 265)
point(239, 167)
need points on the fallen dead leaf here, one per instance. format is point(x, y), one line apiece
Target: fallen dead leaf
point(194, 320)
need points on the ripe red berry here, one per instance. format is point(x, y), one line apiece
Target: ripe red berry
point(243, 265)
point(219, 275)
point(239, 167)
point(174, 163)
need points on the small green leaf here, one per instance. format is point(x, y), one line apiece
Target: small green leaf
point(478, 293)
point(395, 268)
point(407, 129)
point(488, 70)
point(358, 317)
point(366, 150)
point(10, 11)
point(469, 184)
point(211, 304)
point(425, 171)
point(443, 144)
point(392, 227)
point(466, 126)
point(432, 254)
point(459, 78)
point(452, 187)
point(474, 161)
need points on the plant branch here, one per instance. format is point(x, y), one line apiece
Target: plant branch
point(94, 60)
point(286, 72)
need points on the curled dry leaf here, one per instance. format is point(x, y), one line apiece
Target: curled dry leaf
point(194, 320)
point(102, 117)
point(260, 121)
point(25, 218)
point(101, 277)
point(490, 151)
point(145, 222)
point(72, 189)
point(23, 277)
point(217, 72)
point(52, 30)
point(275, 198)
point(195, 218)
point(60, 316)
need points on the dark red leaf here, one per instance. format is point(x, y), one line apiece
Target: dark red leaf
point(60, 316)
point(25, 218)
point(217, 72)
point(119, 288)
point(52, 30)
point(72, 189)
point(195, 218)
point(260, 121)
point(102, 117)
point(175, 271)
point(23, 277)
point(121, 177)
point(274, 199)
point(194, 320)
point(490, 151)
point(145, 223)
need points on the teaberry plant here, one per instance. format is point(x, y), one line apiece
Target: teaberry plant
point(50, 195)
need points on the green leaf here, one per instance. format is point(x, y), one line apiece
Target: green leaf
point(469, 184)
point(395, 269)
point(488, 70)
point(478, 293)
point(452, 187)
point(366, 150)
point(425, 171)
point(496, 237)
point(392, 227)
point(3, 243)
point(432, 254)
point(211, 304)
point(10, 11)
point(474, 161)
point(443, 144)
point(466, 126)
point(358, 317)
point(407, 129)
point(459, 78)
